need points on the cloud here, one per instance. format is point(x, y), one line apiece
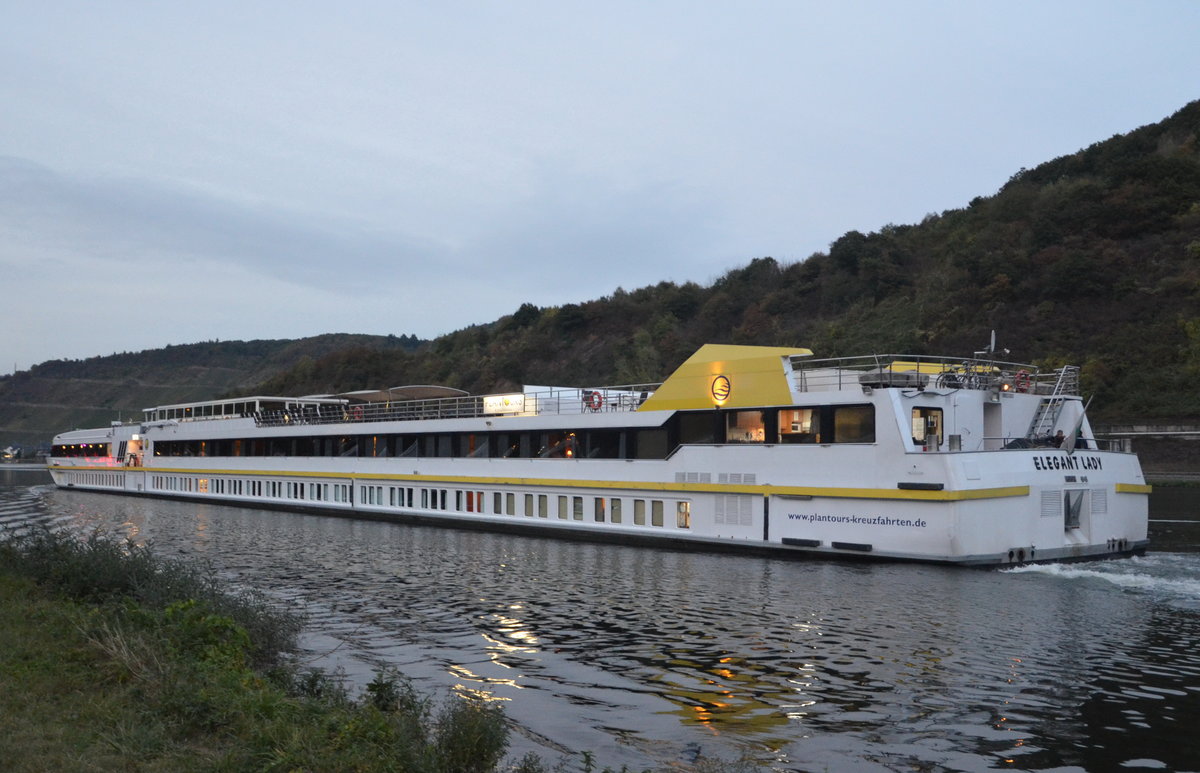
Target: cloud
point(157, 226)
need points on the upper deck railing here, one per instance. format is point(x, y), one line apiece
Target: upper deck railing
point(549, 400)
point(923, 372)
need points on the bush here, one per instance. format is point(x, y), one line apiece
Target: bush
point(100, 569)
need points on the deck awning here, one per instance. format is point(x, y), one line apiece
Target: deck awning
point(411, 392)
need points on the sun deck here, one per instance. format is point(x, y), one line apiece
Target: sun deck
point(922, 371)
point(383, 405)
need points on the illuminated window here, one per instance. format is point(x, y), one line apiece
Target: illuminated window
point(745, 427)
point(927, 426)
point(800, 425)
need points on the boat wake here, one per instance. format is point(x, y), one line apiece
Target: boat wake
point(1171, 577)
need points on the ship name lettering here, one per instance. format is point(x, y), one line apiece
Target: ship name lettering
point(1059, 462)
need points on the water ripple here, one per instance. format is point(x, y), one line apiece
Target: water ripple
point(647, 656)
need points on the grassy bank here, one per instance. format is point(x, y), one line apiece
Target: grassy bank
point(111, 658)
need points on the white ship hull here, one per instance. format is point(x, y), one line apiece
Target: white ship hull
point(933, 498)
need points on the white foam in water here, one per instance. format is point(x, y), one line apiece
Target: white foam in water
point(1168, 575)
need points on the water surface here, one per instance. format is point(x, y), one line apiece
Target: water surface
point(651, 657)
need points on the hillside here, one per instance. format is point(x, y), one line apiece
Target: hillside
point(1091, 259)
point(61, 394)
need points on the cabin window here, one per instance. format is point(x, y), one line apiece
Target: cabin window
point(800, 425)
point(745, 427)
point(683, 515)
point(598, 505)
point(496, 508)
point(558, 445)
point(510, 504)
point(529, 505)
point(543, 506)
point(854, 424)
point(577, 508)
point(639, 512)
point(656, 512)
point(698, 427)
point(652, 444)
point(506, 445)
point(562, 508)
point(604, 444)
point(476, 446)
point(927, 426)
point(615, 510)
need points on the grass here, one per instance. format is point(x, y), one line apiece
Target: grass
point(113, 658)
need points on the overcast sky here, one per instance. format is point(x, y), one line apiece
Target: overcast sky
point(173, 172)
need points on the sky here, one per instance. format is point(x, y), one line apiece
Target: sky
point(174, 172)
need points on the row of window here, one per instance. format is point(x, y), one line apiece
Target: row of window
point(106, 479)
point(820, 424)
point(596, 509)
point(89, 450)
point(559, 506)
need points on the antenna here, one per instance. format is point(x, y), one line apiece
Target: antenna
point(988, 351)
point(991, 349)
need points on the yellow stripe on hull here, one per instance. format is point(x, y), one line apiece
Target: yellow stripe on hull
point(711, 488)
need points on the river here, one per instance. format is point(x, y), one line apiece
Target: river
point(652, 658)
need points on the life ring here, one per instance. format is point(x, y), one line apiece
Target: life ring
point(595, 401)
point(1022, 381)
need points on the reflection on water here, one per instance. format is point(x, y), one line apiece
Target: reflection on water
point(649, 657)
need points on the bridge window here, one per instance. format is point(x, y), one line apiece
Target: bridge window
point(854, 424)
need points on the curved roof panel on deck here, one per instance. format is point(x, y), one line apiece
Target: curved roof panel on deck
point(411, 392)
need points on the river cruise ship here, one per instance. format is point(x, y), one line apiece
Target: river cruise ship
point(965, 461)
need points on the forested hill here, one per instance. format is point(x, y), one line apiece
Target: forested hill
point(1090, 259)
point(63, 394)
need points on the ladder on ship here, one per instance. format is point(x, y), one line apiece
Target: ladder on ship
point(1051, 405)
